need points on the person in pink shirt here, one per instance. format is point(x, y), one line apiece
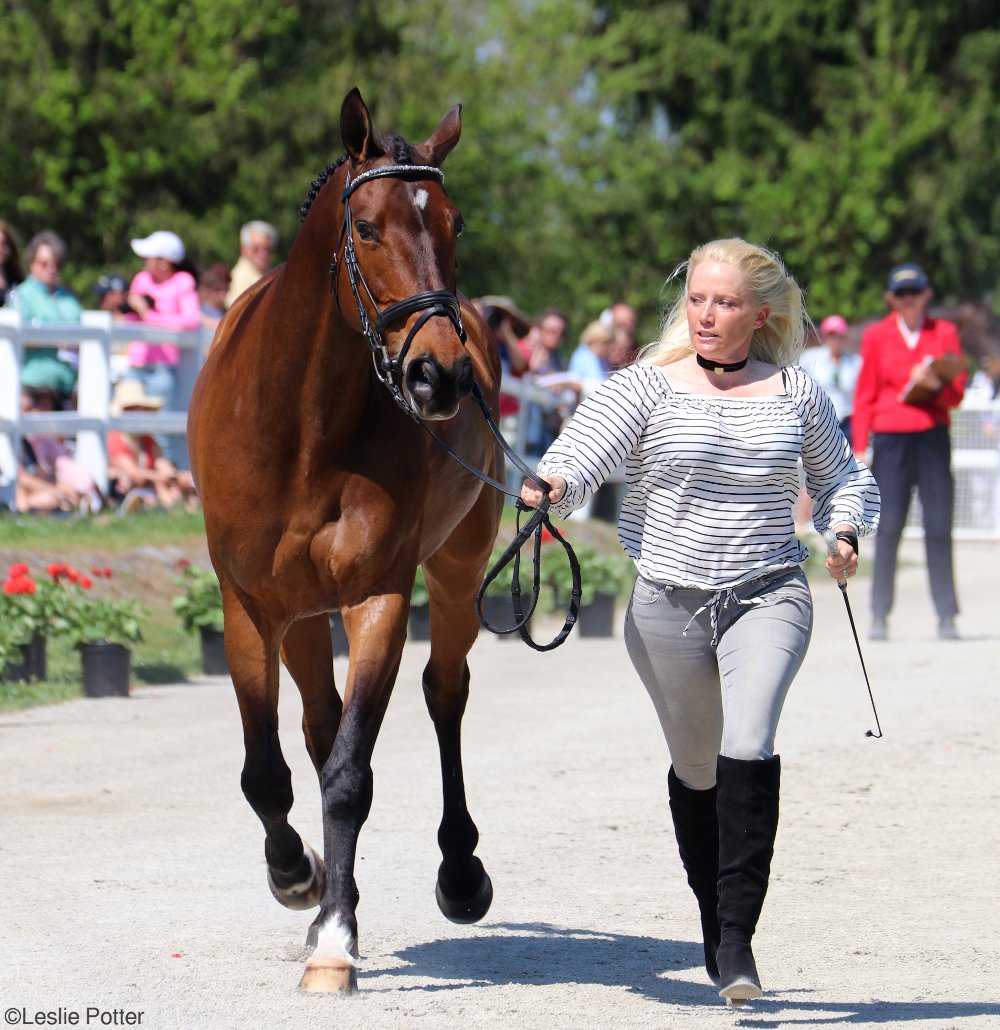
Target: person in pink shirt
point(162, 294)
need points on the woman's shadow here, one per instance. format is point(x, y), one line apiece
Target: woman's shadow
point(538, 954)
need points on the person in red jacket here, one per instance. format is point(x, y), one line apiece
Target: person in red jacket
point(911, 376)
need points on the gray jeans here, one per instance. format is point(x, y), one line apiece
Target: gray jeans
point(718, 665)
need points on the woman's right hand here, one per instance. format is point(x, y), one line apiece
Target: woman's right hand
point(532, 494)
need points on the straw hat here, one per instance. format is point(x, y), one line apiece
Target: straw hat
point(130, 393)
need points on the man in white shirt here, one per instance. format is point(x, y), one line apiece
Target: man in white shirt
point(257, 242)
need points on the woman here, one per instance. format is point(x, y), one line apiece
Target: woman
point(164, 294)
point(11, 272)
point(590, 361)
point(43, 298)
point(712, 422)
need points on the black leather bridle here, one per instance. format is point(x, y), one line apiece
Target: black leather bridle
point(432, 303)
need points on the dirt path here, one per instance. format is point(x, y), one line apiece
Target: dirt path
point(134, 881)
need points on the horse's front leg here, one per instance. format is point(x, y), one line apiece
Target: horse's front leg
point(464, 891)
point(376, 630)
point(294, 870)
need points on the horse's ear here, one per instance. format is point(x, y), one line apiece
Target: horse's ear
point(440, 142)
point(356, 126)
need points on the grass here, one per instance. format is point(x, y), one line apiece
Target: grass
point(107, 532)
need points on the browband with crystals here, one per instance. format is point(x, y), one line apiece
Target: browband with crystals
point(408, 172)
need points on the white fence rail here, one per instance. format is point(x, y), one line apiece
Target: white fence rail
point(975, 428)
point(98, 336)
point(95, 336)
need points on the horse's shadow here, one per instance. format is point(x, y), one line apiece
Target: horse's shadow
point(538, 954)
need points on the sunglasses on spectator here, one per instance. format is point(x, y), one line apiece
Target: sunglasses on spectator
point(908, 291)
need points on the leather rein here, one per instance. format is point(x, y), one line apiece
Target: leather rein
point(389, 372)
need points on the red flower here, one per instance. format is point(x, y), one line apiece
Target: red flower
point(71, 574)
point(86, 582)
point(21, 584)
point(97, 573)
point(107, 572)
point(183, 564)
point(58, 569)
point(17, 569)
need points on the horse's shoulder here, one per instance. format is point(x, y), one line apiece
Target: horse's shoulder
point(244, 303)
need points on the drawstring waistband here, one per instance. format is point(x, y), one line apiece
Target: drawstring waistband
point(715, 605)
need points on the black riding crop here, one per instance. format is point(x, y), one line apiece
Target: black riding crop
point(834, 552)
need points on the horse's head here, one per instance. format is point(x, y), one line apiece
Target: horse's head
point(396, 274)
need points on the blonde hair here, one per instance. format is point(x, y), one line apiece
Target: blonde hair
point(778, 341)
point(597, 332)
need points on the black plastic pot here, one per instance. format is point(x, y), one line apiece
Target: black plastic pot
point(213, 652)
point(597, 619)
point(420, 622)
point(107, 669)
point(32, 665)
point(338, 635)
point(499, 612)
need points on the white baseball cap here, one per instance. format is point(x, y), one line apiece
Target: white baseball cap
point(161, 244)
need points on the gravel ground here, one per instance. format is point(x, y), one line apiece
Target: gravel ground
point(134, 876)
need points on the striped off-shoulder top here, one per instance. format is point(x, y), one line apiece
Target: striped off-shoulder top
point(712, 480)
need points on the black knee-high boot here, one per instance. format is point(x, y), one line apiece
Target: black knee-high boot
point(748, 820)
point(696, 826)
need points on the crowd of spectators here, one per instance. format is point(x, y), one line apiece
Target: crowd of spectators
point(169, 291)
point(533, 349)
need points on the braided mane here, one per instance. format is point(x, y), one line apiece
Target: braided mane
point(402, 154)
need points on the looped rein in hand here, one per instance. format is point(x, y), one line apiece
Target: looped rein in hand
point(534, 527)
point(389, 369)
point(536, 524)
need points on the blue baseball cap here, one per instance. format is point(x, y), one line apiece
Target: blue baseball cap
point(907, 277)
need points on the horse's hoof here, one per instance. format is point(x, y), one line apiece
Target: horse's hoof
point(466, 910)
point(329, 978)
point(306, 894)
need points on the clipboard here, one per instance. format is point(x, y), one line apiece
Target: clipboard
point(945, 368)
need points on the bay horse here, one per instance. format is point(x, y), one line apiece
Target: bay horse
point(321, 490)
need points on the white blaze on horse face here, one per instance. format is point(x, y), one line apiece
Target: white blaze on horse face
point(334, 941)
point(420, 199)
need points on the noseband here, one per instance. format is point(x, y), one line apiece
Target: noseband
point(432, 303)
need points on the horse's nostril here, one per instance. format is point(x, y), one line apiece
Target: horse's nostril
point(463, 375)
point(422, 377)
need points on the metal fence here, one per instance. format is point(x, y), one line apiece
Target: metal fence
point(975, 427)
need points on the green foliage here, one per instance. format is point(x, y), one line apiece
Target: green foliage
point(602, 140)
point(199, 604)
point(91, 621)
point(419, 595)
point(29, 604)
point(10, 645)
point(600, 573)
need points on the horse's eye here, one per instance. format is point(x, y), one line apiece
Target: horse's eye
point(459, 225)
point(367, 231)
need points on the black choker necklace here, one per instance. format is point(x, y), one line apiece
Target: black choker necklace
point(718, 367)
